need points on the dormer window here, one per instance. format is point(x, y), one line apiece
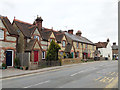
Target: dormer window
point(1, 34)
point(37, 37)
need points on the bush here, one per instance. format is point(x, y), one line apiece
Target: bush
point(52, 53)
point(17, 62)
point(70, 56)
point(3, 65)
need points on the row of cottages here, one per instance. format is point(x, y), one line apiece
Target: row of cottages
point(104, 50)
point(79, 46)
point(33, 40)
point(7, 42)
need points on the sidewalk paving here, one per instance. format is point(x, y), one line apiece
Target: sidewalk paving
point(12, 72)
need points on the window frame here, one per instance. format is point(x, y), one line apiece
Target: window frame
point(3, 34)
point(43, 52)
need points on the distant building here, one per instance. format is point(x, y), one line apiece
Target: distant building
point(79, 46)
point(115, 51)
point(105, 49)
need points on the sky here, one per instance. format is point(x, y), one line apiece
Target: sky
point(96, 19)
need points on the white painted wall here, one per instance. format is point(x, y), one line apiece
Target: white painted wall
point(106, 51)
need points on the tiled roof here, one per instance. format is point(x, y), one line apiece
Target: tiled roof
point(30, 45)
point(45, 33)
point(8, 25)
point(26, 28)
point(68, 47)
point(58, 35)
point(101, 44)
point(78, 38)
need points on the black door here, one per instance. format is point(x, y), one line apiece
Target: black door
point(9, 58)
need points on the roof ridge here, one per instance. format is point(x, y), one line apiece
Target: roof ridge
point(22, 21)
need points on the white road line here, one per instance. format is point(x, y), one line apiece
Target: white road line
point(76, 73)
point(92, 68)
point(37, 84)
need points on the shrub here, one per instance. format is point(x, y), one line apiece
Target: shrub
point(17, 62)
point(3, 65)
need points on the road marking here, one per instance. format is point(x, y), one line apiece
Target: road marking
point(76, 73)
point(37, 84)
point(92, 68)
point(111, 85)
point(98, 78)
point(103, 80)
point(110, 80)
point(112, 73)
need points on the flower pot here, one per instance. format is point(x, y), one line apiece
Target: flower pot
point(15, 67)
point(3, 67)
point(21, 68)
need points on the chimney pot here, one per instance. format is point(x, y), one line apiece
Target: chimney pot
point(70, 31)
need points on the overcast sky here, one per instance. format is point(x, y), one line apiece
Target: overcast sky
point(97, 19)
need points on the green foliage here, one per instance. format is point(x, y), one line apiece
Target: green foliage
point(3, 65)
point(17, 62)
point(52, 53)
point(70, 56)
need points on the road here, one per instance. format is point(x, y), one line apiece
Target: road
point(99, 74)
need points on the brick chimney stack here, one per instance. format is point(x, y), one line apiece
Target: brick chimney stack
point(38, 22)
point(79, 33)
point(70, 31)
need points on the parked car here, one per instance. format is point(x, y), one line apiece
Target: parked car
point(96, 58)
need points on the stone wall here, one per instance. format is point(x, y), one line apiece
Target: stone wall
point(70, 61)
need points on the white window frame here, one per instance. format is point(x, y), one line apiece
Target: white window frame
point(43, 52)
point(36, 36)
point(3, 35)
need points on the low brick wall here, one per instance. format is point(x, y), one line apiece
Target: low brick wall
point(70, 61)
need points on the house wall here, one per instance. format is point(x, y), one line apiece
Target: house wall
point(9, 43)
point(52, 36)
point(63, 39)
point(106, 51)
point(20, 46)
point(91, 49)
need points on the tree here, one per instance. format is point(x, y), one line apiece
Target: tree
point(52, 53)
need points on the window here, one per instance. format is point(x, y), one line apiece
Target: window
point(1, 34)
point(63, 43)
point(93, 48)
point(77, 45)
point(36, 37)
point(43, 55)
point(51, 40)
point(86, 46)
point(77, 54)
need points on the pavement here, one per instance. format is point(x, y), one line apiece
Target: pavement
point(99, 74)
point(12, 72)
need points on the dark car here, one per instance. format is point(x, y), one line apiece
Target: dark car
point(96, 58)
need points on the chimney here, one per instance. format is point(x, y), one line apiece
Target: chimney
point(114, 43)
point(79, 33)
point(38, 22)
point(108, 40)
point(70, 31)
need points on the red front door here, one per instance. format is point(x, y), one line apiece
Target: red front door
point(35, 56)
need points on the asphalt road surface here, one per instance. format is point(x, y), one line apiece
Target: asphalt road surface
point(99, 74)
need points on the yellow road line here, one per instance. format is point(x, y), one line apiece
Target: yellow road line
point(112, 73)
point(110, 80)
point(111, 85)
point(103, 80)
point(98, 78)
